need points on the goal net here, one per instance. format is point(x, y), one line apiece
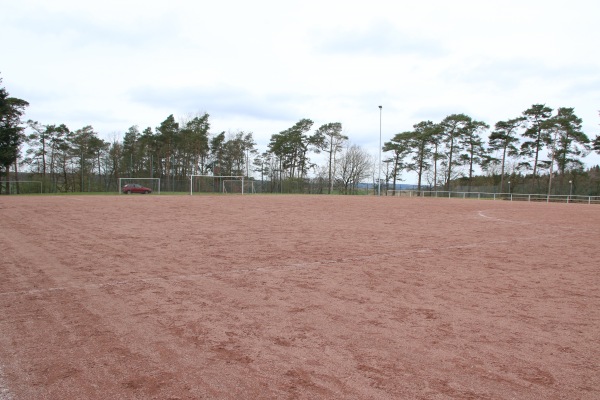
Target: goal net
point(152, 183)
point(220, 184)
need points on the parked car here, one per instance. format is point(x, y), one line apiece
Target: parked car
point(135, 188)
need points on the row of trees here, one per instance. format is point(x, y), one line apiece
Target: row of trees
point(81, 161)
point(68, 160)
point(443, 152)
point(540, 143)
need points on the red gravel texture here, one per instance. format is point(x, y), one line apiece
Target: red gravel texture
point(297, 297)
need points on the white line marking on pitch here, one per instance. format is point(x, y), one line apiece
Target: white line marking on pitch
point(482, 215)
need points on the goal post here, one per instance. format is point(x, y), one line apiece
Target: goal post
point(152, 183)
point(218, 184)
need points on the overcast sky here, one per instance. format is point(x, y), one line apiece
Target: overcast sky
point(260, 66)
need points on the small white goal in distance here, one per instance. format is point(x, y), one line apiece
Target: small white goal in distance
point(218, 184)
point(24, 187)
point(152, 183)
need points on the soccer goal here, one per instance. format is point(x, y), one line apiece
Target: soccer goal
point(151, 183)
point(220, 184)
point(21, 187)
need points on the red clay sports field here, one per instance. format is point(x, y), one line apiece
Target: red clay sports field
point(307, 297)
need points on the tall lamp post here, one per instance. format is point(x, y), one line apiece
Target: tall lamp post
point(570, 190)
point(379, 176)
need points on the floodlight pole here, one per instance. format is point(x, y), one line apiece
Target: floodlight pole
point(570, 191)
point(379, 176)
point(173, 167)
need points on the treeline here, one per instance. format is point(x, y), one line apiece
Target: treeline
point(536, 148)
point(80, 161)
